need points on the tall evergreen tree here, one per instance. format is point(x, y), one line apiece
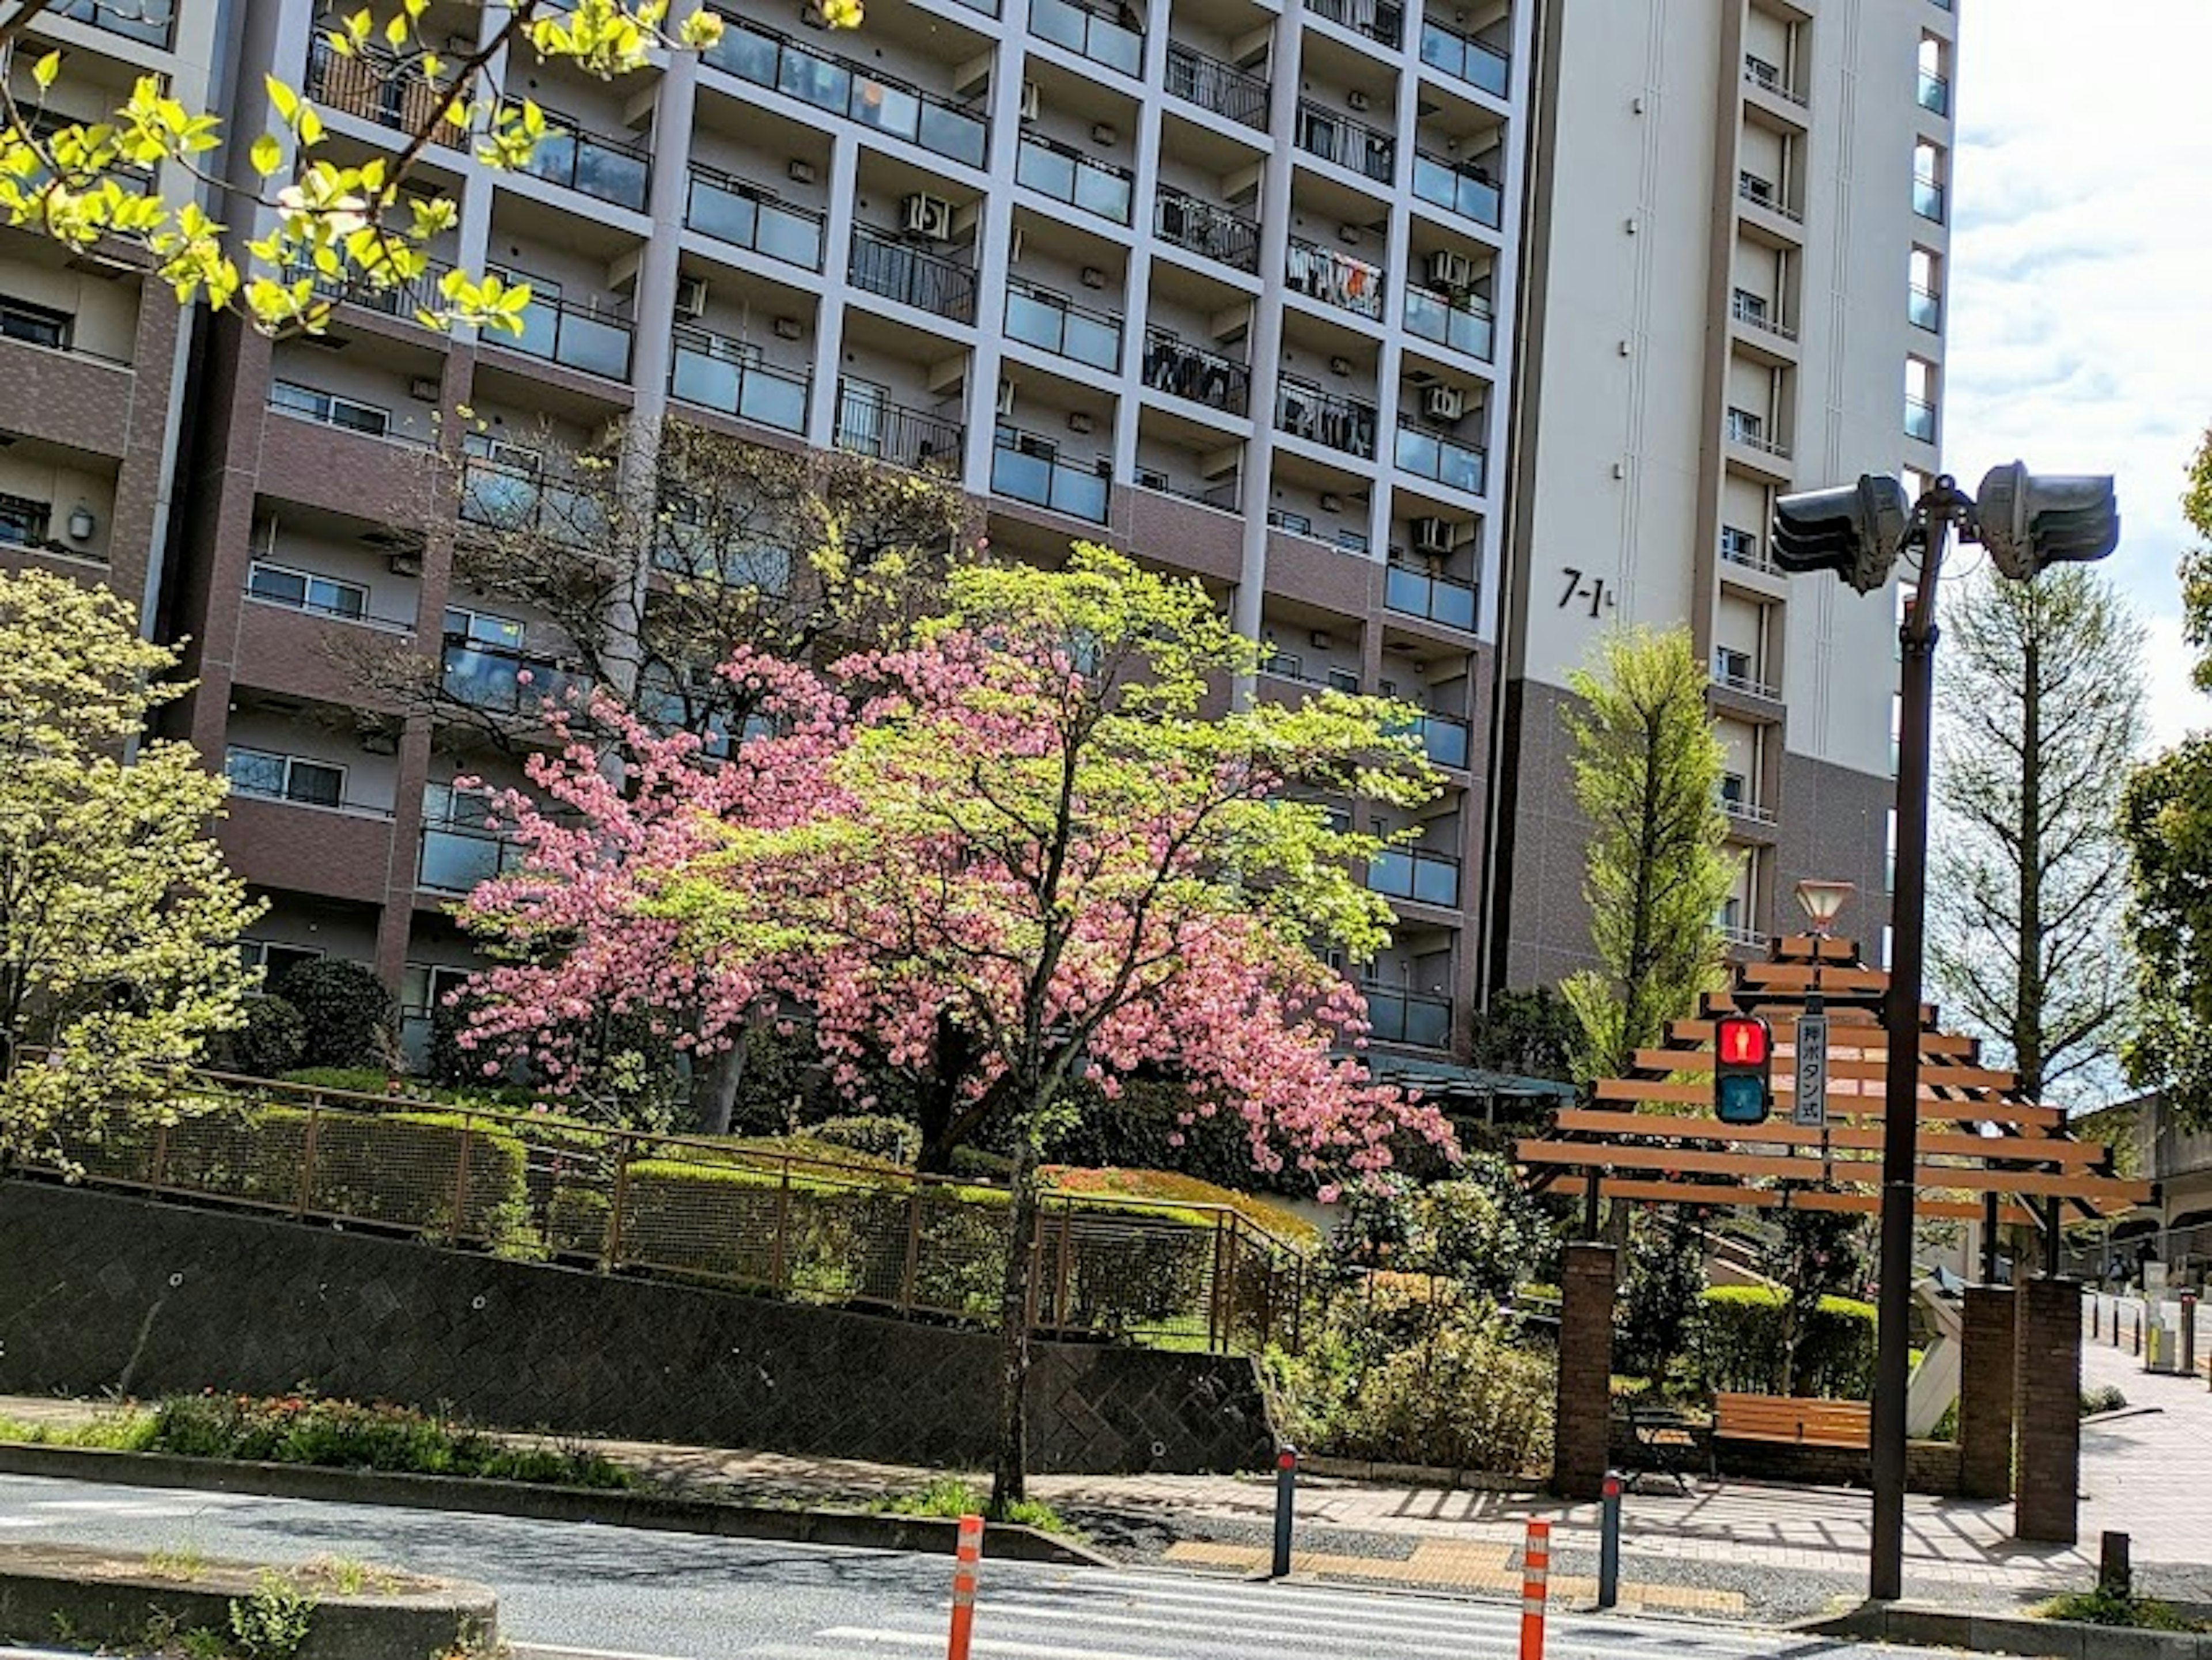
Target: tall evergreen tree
point(1647, 774)
point(2041, 712)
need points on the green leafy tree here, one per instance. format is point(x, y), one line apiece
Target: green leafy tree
point(1660, 1289)
point(119, 920)
point(348, 1016)
point(1811, 1255)
point(1530, 1034)
point(2041, 712)
point(1647, 774)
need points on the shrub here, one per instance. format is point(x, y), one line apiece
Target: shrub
point(2107, 1606)
point(2102, 1397)
point(1739, 1344)
point(351, 1019)
point(878, 1134)
point(1659, 1297)
point(271, 1042)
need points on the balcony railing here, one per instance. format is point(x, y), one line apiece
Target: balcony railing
point(1089, 33)
point(1213, 85)
point(1443, 600)
point(717, 373)
point(151, 22)
point(1216, 233)
point(502, 680)
point(1459, 187)
point(610, 170)
point(1920, 420)
point(1935, 92)
point(882, 264)
point(1443, 739)
point(1067, 174)
point(1334, 279)
point(742, 215)
point(1352, 145)
point(1769, 77)
point(1740, 805)
point(1752, 311)
point(1429, 879)
point(1052, 322)
point(1463, 57)
point(574, 336)
point(455, 859)
point(1428, 453)
point(1924, 307)
point(1742, 939)
point(1760, 193)
point(1747, 430)
point(1744, 549)
point(1928, 198)
point(1465, 325)
point(406, 299)
point(1326, 418)
point(1225, 496)
point(1027, 468)
point(1378, 20)
point(850, 90)
point(868, 424)
point(377, 87)
point(1397, 1016)
point(500, 497)
point(1192, 372)
point(1735, 671)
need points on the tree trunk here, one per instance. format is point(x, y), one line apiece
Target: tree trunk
point(714, 1090)
point(2028, 996)
point(1009, 1476)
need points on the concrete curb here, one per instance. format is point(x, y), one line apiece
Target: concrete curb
point(2010, 1633)
point(116, 1600)
point(665, 1513)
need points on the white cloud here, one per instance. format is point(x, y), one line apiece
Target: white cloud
point(2080, 339)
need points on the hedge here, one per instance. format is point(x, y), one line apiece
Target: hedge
point(1738, 1343)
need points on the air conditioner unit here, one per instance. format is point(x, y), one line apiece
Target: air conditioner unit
point(1443, 403)
point(424, 388)
point(1431, 536)
point(1450, 270)
point(691, 298)
point(1006, 405)
point(404, 564)
point(928, 215)
point(1357, 98)
point(1030, 101)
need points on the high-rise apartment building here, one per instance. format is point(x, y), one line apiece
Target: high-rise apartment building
point(1231, 284)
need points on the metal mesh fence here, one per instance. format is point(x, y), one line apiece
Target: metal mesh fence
point(522, 1186)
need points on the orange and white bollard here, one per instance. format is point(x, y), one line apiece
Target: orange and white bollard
point(1536, 1572)
point(965, 1558)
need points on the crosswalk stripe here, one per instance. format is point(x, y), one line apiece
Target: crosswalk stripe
point(915, 1639)
point(1286, 1633)
point(1453, 1622)
point(1220, 1593)
point(571, 1652)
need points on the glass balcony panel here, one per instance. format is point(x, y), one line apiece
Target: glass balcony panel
point(1445, 740)
point(1465, 60)
point(1928, 199)
point(814, 81)
point(1093, 340)
point(1427, 1023)
point(1024, 476)
point(1920, 420)
point(1432, 455)
point(1105, 194)
point(595, 344)
point(1045, 171)
point(1436, 881)
point(744, 53)
point(1923, 308)
point(955, 133)
point(1462, 328)
point(1390, 873)
point(791, 236)
point(723, 214)
point(455, 862)
point(887, 108)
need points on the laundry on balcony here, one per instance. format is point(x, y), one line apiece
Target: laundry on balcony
point(1170, 366)
point(1336, 423)
point(1323, 275)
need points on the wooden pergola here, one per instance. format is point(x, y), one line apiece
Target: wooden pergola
point(1985, 1153)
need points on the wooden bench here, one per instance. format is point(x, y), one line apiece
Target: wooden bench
point(1793, 1421)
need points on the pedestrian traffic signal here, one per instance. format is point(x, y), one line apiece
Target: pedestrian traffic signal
point(2028, 522)
point(1744, 1069)
point(1855, 531)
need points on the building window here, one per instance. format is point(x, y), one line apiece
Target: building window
point(481, 628)
point(1928, 180)
point(1732, 668)
point(1738, 546)
point(21, 320)
point(329, 409)
point(23, 522)
point(1745, 428)
point(283, 777)
point(273, 959)
point(1343, 680)
point(305, 591)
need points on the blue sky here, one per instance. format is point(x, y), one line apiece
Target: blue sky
point(2081, 279)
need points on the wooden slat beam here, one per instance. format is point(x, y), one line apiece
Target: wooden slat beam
point(1759, 978)
point(2043, 1185)
point(1844, 1101)
point(1875, 1041)
point(1806, 948)
point(1843, 1062)
point(1587, 1121)
point(1729, 1196)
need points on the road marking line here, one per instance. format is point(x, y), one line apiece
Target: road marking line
point(1463, 1643)
point(1400, 1625)
point(1213, 1592)
point(590, 1654)
point(915, 1639)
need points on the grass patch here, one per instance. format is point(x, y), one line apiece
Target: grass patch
point(953, 1497)
point(121, 1431)
point(2105, 1607)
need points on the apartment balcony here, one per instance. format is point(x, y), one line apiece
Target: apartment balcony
point(1221, 235)
point(1089, 32)
point(1067, 174)
point(612, 170)
point(1431, 453)
point(1334, 279)
point(1344, 424)
point(59, 390)
point(1923, 308)
point(501, 680)
point(1287, 666)
point(456, 857)
point(1920, 420)
point(1427, 878)
point(882, 264)
point(517, 500)
point(849, 90)
point(1465, 324)
point(1411, 591)
point(731, 210)
point(342, 852)
point(1753, 450)
point(283, 585)
point(1741, 549)
point(1463, 57)
point(1204, 377)
point(1760, 334)
point(869, 424)
point(1352, 145)
point(1444, 739)
point(149, 22)
point(1462, 188)
point(1928, 198)
point(1736, 801)
point(408, 299)
point(1770, 217)
point(1395, 1015)
point(1026, 467)
point(378, 86)
point(1738, 672)
point(1771, 78)
point(1378, 20)
point(1054, 323)
point(717, 373)
point(1742, 938)
point(1934, 94)
point(1211, 84)
point(574, 336)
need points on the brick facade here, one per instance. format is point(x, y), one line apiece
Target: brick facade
point(1985, 1393)
point(2047, 1407)
point(1587, 1282)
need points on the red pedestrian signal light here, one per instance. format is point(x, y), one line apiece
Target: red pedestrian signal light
point(1744, 1069)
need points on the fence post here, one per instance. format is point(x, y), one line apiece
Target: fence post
point(615, 1212)
point(158, 1177)
point(913, 1248)
point(1229, 1283)
point(307, 1160)
point(1063, 1289)
point(1609, 1545)
point(779, 1259)
point(1286, 1491)
point(1213, 1309)
point(461, 1184)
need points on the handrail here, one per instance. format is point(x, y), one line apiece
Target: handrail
point(1465, 58)
point(1378, 20)
point(739, 212)
point(1346, 140)
point(884, 265)
point(1211, 84)
point(1218, 233)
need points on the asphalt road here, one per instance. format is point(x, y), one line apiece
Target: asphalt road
point(569, 1591)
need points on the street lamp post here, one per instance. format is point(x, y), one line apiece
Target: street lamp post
point(1857, 532)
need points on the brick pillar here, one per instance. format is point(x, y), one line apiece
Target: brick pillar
point(1579, 1454)
point(1985, 1393)
point(2047, 1407)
